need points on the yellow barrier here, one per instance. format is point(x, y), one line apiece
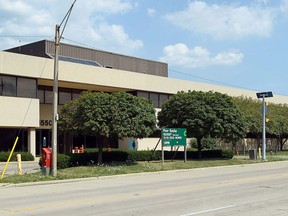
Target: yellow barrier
point(3, 172)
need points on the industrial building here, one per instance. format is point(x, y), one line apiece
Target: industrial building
point(26, 90)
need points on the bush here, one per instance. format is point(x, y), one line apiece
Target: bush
point(140, 155)
point(90, 158)
point(227, 154)
point(193, 154)
point(25, 156)
point(206, 143)
point(83, 159)
point(63, 161)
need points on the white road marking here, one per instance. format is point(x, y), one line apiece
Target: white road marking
point(208, 210)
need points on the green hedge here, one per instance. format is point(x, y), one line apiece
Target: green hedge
point(90, 158)
point(25, 156)
point(206, 154)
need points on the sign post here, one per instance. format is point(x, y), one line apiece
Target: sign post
point(263, 95)
point(174, 137)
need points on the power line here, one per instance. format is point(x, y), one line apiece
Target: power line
point(218, 82)
point(26, 36)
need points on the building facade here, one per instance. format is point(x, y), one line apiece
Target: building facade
point(26, 90)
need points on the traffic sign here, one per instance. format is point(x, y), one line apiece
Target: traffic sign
point(174, 136)
point(264, 94)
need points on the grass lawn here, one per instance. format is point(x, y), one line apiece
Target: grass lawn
point(117, 168)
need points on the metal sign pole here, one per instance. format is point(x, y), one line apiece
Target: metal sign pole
point(264, 129)
point(263, 95)
point(162, 154)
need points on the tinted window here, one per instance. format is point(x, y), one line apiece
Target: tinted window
point(143, 94)
point(154, 99)
point(26, 87)
point(48, 95)
point(76, 94)
point(64, 96)
point(8, 86)
point(40, 94)
point(162, 99)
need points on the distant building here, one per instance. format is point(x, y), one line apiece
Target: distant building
point(26, 90)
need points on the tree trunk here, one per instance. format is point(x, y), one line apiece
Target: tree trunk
point(100, 153)
point(282, 143)
point(199, 147)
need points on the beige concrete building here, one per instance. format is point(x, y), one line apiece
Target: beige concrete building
point(26, 90)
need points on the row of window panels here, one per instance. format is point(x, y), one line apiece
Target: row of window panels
point(25, 87)
point(45, 94)
point(18, 87)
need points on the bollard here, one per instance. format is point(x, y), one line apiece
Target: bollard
point(19, 164)
point(259, 152)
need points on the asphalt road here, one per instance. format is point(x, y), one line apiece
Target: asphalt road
point(258, 189)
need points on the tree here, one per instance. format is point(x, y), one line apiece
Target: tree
point(252, 111)
point(102, 114)
point(278, 124)
point(204, 114)
point(132, 116)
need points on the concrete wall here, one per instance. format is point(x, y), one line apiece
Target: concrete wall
point(82, 76)
point(19, 112)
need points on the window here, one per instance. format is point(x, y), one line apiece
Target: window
point(154, 99)
point(76, 94)
point(143, 94)
point(162, 99)
point(41, 94)
point(48, 95)
point(8, 86)
point(26, 87)
point(64, 96)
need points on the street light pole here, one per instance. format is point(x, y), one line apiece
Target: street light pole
point(264, 129)
point(263, 95)
point(55, 102)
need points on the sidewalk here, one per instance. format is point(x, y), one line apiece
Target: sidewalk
point(27, 167)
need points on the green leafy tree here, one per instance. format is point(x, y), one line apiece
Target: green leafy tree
point(132, 116)
point(251, 109)
point(102, 114)
point(204, 114)
point(278, 124)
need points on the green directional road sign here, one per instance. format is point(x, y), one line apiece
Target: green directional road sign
point(174, 136)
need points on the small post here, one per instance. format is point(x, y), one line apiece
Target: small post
point(19, 163)
point(185, 153)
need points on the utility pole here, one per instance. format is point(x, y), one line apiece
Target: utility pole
point(55, 102)
point(55, 116)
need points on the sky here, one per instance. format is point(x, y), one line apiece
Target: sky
point(234, 43)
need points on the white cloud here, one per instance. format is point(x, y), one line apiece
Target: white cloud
point(224, 21)
point(198, 57)
point(108, 37)
point(87, 23)
point(104, 7)
point(151, 12)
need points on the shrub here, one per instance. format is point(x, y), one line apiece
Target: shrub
point(25, 156)
point(206, 143)
point(63, 161)
point(140, 155)
point(83, 159)
point(115, 156)
point(227, 154)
